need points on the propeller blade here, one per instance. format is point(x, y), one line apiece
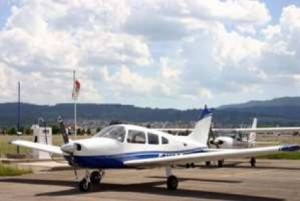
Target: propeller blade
point(63, 130)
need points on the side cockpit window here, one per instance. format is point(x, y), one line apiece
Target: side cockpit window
point(164, 140)
point(137, 137)
point(153, 138)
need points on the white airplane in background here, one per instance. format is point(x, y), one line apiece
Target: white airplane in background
point(129, 146)
point(234, 141)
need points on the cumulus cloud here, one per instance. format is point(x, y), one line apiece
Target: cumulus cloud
point(162, 53)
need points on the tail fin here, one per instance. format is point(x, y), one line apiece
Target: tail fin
point(202, 128)
point(252, 135)
point(63, 130)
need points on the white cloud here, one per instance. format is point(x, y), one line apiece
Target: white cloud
point(155, 52)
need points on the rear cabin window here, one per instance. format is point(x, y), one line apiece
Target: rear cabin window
point(153, 138)
point(137, 137)
point(164, 140)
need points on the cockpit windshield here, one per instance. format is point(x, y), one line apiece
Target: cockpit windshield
point(112, 132)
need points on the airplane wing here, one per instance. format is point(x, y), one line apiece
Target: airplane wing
point(230, 130)
point(258, 130)
point(207, 156)
point(41, 147)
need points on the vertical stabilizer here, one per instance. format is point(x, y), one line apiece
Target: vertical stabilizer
point(252, 135)
point(202, 128)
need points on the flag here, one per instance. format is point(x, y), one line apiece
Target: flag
point(76, 89)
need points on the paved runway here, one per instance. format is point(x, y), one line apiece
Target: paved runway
point(271, 180)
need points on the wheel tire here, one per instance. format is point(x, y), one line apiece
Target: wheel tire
point(193, 165)
point(253, 162)
point(95, 177)
point(220, 163)
point(207, 163)
point(187, 165)
point(84, 185)
point(172, 182)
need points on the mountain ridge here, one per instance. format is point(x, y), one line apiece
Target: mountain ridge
point(284, 111)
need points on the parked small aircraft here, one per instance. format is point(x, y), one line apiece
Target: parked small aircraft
point(234, 141)
point(129, 146)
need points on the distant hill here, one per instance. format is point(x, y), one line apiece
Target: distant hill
point(281, 111)
point(284, 101)
point(30, 113)
point(278, 111)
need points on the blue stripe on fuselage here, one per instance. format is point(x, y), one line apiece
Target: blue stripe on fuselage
point(117, 161)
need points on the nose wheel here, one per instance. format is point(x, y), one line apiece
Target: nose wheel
point(84, 185)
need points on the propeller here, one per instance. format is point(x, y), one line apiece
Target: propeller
point(68, 147)
point(213, 140)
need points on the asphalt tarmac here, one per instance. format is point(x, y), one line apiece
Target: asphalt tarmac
point(271, 180)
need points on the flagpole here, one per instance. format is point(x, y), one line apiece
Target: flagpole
point(75, 107)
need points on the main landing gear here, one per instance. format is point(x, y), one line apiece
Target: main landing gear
point(172, 181)
point(220, 163)
point(253, 162)
point(93, 178)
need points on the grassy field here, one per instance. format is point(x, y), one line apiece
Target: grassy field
point(286, 155)
point(263, 140)
point(6, 170)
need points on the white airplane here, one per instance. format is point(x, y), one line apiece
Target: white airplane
point(235, 141)
point(129, 146)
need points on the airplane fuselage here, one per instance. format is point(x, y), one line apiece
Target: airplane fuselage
point(131, 143)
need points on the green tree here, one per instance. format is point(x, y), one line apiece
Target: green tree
point(28, 131)
point(12, 131)
point(98, 129)
point(55, 129)
point(88, 131)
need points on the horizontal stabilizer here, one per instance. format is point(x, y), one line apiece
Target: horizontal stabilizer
point(38, 146)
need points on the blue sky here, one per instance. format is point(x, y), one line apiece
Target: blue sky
point(162, 53)
point(4, 12)
point(275, 6)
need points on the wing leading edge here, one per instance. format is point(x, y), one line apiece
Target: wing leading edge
point(229, 130)
point(38, 146)
point(206, 156)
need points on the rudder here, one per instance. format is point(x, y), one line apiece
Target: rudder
point(202, 128)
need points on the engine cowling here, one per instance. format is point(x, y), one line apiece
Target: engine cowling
point(222, 142)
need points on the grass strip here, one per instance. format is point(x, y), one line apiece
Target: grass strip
point(7, 170)
point(285, 155)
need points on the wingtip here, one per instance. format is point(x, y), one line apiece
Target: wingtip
point(292, 147)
